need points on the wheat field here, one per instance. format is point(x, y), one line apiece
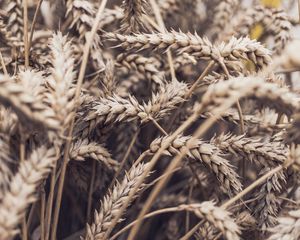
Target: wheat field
point(149, 119)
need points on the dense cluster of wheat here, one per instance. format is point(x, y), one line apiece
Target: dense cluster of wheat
point(159, 119)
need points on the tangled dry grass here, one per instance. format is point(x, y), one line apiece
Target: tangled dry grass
point(159, 119)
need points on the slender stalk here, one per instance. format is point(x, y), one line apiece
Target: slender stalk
point(299, 9)
point(42, 218)
point(149, 215)
point(25, 19)
point(124, 160)
point(38, 7)
point(3, 64)
point(242, 124)
point(91, 189)
point(24, 229)
point(200, 78)
point(258, 182)
point(162, 28)
point(77, 94)
point(22, 159)
point(50, 203)
point(189, 93)
point(192, 231)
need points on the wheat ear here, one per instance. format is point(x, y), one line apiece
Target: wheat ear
point(201, 48)
point(23, 187)
point(207, 154)
point(113, 201)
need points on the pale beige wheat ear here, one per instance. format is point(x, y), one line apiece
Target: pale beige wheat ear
point(81, 150)
point(61, 88)
point(274, 21)
point(207, 154)
point(133, 15)
point(111, 16)
point(267, 205)
point(109, 79)
point(115, 109)
point(23, 189)
point(267, 94)
point(266, 153)
point(28, 105)
point(216, 216)
point(145, 66)
point(113, 201)
point(5, 171)
point(82, 14)
point(223, 13)
point(225, 53)
point(15, 21)
point(287, 228)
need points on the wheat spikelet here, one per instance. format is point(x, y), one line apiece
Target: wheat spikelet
point(274, 21)
point(60, 84)
point(267, 205)
point(254, 123)
point(254, 149)
point(110, 16)
point(113, 201)
point(146, 66)
point(288, 227)
point(133, 15)
point(268, 94)
point(223, 12)
point(216, 216)
point(109, 80)
point(117, 109)
point(22, 189)
point(15, 20)
point(207, 154)
point(27, 105)
point(5, 171)
point(8, 121)
point(85, 149)
point(83, 13)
